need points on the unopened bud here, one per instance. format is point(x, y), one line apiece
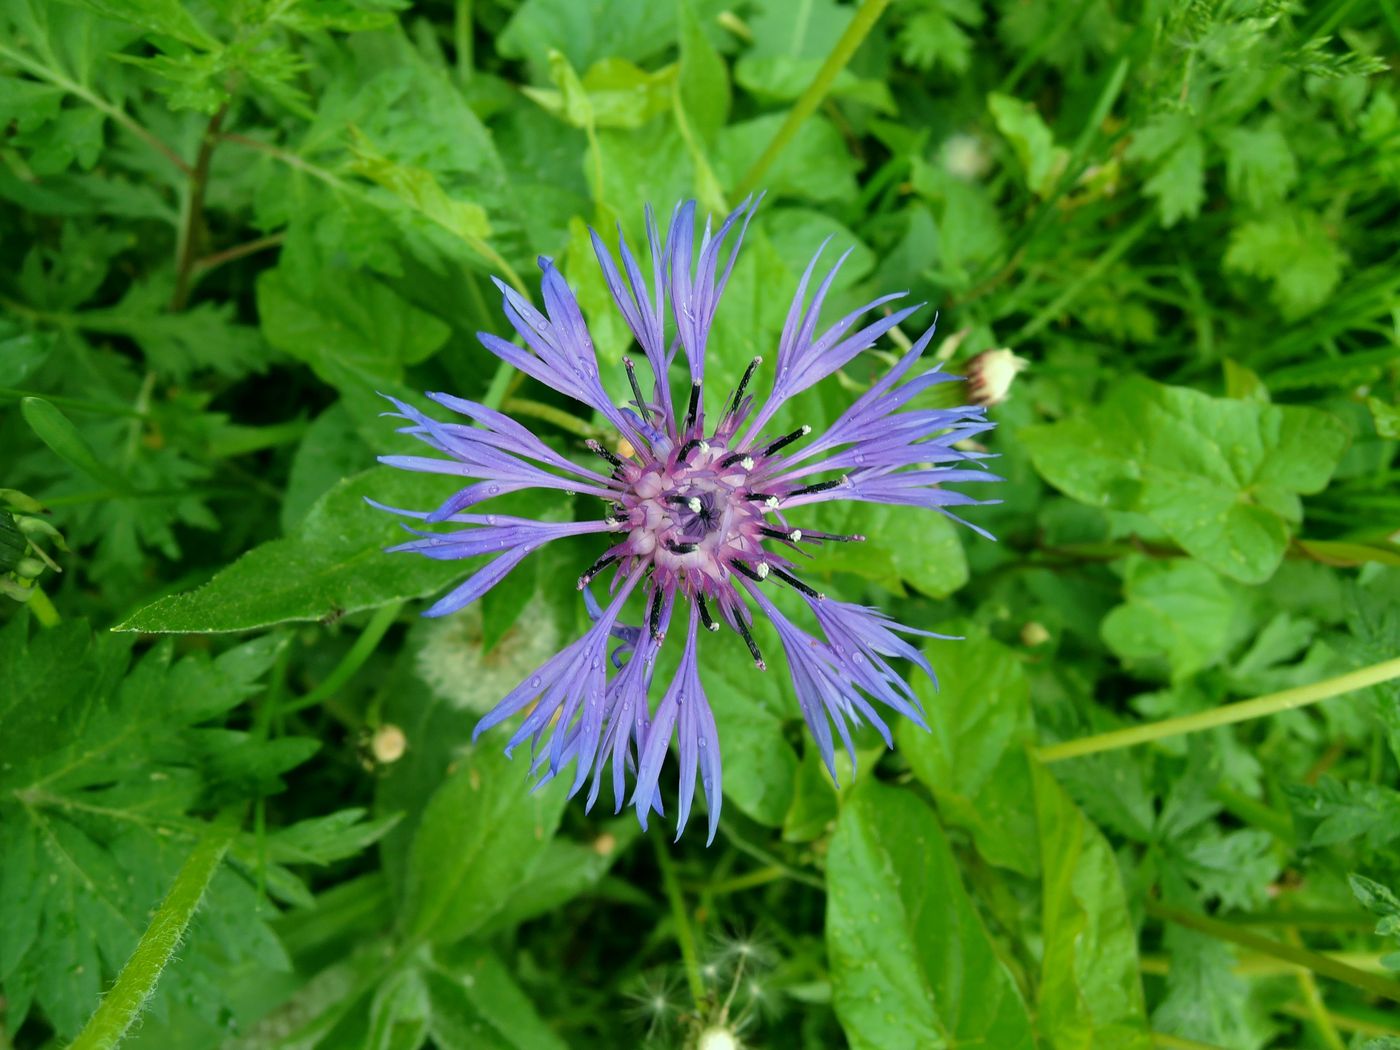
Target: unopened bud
point(717, 1039)
point(1033, 634)
point(990, 374)
point(625, 449)
point(388, 744)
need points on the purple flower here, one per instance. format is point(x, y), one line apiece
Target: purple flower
point(699, 517)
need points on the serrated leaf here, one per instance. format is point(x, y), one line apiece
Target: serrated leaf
point(334, 564)
point(1220, 477)
point(1295, 252)
point(911, 963)
point(1034, 143)
point(1175, 617)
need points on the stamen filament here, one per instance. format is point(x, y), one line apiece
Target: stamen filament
point(787, 439)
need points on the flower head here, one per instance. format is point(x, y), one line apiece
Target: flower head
point(702, 516)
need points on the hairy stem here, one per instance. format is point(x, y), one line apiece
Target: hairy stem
point(865, 18)
point(122, 1005)
point(1226, 714)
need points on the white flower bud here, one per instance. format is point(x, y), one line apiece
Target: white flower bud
point(990, 374)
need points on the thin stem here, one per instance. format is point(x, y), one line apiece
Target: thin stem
point(685, 937)
point(462, 40)
point(1312, 999)
point(42, 608)
point(192, 217)
point(122, 1005)
point(1226, 714)
point(861, 24)
point(563, 420)
point(1176, 1042)
point(1314, 961)
point(116, 113)
point(238, 251)
point(353, 660)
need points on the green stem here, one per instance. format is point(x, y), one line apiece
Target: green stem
point(353, 660)
point(42, 608)
point(865, 18)
point(1226, 714)
point(685, 936)
point(192, 211)
point(1312, 1000)
point(122, 1005)
point(75, 403)
point(1310, 960)
point(521, 406)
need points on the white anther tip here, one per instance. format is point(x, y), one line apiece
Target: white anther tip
point(806, 430)
point(746, 463)
point(795, 535)
point(762, 570)
point(694, 504)
point(771, 501)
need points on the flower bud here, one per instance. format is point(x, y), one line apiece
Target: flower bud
point(990, 374)
point(388, 744)
point(1033, 634)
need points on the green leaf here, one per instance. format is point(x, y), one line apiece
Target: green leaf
point(97, 815)
point(420, 190)
point(1090, 993)
point(54, 429)
point(704, 78)
point(815, 165)
point(906, 544)
point(1172, 144)
point(1176, 617)
point(567, 870)
point(1220, 477)
point(1259, 166)
point(614, 93)
point(166, 17)
point(911, 963)
point(750, 707)
point(1042, 161)
point(482, 834)
point(399, 1012)
point(973, 759)
point(476, 1005)
point(1295, 252)
point(1386, 418)
point(334, 564)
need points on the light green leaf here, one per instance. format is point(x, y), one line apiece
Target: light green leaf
point(482, 834)
point(1386, 418)
point(1176, 616)
point(1173, 146)
point(974, 757)
point(911, 963)
point(1259, 166)
point(1090, 994)
point(1220, 476)
point(901, 544)
point(1295, 252)
point(704, 78)
point(1034, 143)
point(420, 190)
point(334, 564)
point(57, 431)
point(614, 93)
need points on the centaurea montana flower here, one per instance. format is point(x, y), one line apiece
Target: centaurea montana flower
point(698, 514)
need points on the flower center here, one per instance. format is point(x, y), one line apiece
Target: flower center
point(691, 517)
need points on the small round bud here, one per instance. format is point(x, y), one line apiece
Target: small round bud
point(990, 375)
point(1033, 634)
point(604, 844)
point(388, 744)
point(29, 568)
point(717, 1039)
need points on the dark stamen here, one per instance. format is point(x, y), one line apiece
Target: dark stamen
point(680, 548)
point(690, 503)
point(636, 388)
point(594, 569)
point(793, 582)
point(761, 497)
point(730, 460)
point(693, 410)
point(831, 537)
point(787, 439)
point(655, 617)
point(598, 449)
point(743, 385)
point(756, 575)
point(753, 646)
point(820, 486)
point(686, 449)
point(791, 536)
point(705, 617)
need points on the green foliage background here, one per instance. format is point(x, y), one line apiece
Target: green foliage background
point(234, 763)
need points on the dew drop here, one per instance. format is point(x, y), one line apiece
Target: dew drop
point(493, 489)
point(535, 682)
